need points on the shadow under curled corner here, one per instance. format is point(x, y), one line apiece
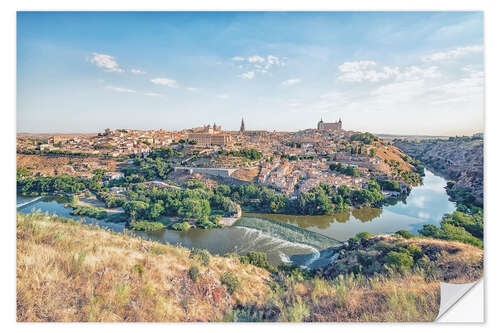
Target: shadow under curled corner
point(452, 295)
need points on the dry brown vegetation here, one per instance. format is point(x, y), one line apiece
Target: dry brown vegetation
point(391, 153)
point(64, 165)
point(246, 174)
point(70, 272)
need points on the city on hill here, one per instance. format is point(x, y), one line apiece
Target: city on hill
point(289, 162)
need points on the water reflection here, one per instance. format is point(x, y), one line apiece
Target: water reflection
point(366, 214)
point(425, 204)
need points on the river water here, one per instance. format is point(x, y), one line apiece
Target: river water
point(294, 235)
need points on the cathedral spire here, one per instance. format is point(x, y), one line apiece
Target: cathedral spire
point(242, 127)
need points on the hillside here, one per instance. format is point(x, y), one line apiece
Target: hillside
point(70, 272)
point(64, 165)
point(459, 160)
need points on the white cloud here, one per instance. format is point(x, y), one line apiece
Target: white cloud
point(119, 89)
point(468, 87)
point(256, 58)
point(137, 71)
point(290, 82)
point(257, 64)
point(238, 58)
point(165, 82)
point(248, 75)
point(193, 89)
point(153, 94)
point(273, 60)
point(356, 71)
point(364, 71)
point(417, 73)
point(222, 96)
point(398, 92)
point(106, 62)
point(454, 53)
point(356, 66)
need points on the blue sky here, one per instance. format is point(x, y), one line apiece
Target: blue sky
point(401, 73)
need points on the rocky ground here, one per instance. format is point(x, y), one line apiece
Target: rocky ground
point(458, 160)
point(64, 165)
point(450, 262)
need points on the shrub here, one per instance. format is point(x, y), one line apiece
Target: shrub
point(181, 226)
point(359, 236)
point(298, 311)
point(194, 273)
point(258, 259)
point(201, 255)
point(399, 260)
point(294, 272)
point(414, 250)
point(404, 234)
point(205, 223)
point(158, 249)
point(230, 281)
point(139, 269)
point(364, 235)
point(147, 226)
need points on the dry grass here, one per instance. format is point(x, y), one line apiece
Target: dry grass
point(64, 165)
point(70, 272)
point(246, 174)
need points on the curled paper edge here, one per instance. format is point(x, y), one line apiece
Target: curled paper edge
point(452, 294)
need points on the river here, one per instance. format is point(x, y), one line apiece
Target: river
point(294, 235)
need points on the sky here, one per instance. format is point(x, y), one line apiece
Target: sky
point(415, 73)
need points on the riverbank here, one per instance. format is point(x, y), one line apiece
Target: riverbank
point(230, 221)
point(457, 159)
point(71, 272)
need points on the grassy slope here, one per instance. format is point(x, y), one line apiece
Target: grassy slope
point(70, 272)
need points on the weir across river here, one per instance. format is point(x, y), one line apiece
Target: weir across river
point(23, 204)
point(288, 232)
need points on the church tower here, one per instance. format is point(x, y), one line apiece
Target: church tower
point(320, 124)
point(242, 127)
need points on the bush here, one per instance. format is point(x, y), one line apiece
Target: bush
point(298, 311)
point(364, 235)
point(181, 226)
point(205, 223)
point(194, 273)
point(258, 259)
point(231, 282)
point(147, 226)
point(414, 250)
point(158, 249)
point(201, 255)
point(294, 272)
point(359, 236)
point(453, 229)
point(405, 234)
point(399, 260)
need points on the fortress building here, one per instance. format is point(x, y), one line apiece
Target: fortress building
point(210, 136)
point(208, 129)
point(322, 126)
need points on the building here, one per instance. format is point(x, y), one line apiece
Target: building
point(56, 139)
point(208, 139)
point(242, 127)
point(208, 129)
point(322, 126)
